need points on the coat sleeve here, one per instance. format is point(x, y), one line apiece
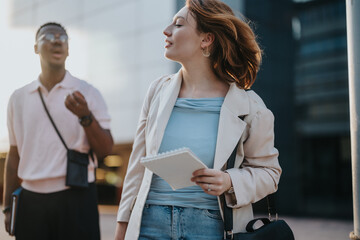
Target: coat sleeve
point(135, 170)
point(260, 171)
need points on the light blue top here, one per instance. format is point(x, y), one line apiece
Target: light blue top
point(194, 124)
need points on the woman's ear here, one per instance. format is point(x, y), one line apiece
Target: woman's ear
point(207, 40)
point(36, 50)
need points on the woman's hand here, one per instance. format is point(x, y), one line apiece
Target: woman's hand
point(213, 182)
point(120, 230)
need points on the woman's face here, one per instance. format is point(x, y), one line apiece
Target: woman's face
point(183, 42)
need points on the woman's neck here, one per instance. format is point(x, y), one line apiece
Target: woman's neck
point(199, 81)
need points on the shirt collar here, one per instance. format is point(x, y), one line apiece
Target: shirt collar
point(66, 83)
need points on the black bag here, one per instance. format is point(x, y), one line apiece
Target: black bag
point(274, 230)
point(271, 230)
point(77, 162)
point(77, 169)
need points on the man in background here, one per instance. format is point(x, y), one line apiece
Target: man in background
point(37, 159)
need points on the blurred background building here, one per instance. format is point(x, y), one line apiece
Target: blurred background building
point(322, 108)
point(118, 45)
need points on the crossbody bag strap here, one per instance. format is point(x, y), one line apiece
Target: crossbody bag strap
point(52, 121)
point(270, 199)
point(228, 212)
point(91, 153)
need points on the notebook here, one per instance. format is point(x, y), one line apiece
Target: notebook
point(175, 167)
point(15, 197)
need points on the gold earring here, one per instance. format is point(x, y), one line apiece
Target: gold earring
point(206, 52)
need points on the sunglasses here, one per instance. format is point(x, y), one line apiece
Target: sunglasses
point(50, 37)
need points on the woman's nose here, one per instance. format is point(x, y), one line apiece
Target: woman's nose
point(167, 31)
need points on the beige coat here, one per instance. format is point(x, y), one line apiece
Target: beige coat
point(256, 173)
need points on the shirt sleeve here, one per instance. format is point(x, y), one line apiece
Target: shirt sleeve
point(98, 108)
point(10, 121)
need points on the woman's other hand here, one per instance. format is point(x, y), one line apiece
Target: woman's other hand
point(120, 230)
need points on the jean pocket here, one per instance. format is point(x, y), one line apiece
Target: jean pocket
point(215, 214)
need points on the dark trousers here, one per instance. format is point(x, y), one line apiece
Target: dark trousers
point(65, 215)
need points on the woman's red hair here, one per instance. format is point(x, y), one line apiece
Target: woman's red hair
point(235, 54)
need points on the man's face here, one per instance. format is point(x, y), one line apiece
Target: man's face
point(52, 46)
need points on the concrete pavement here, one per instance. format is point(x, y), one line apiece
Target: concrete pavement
point(303, 228)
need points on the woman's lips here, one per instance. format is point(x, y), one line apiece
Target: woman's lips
point(168, 44)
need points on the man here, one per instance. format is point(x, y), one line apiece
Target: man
point(37, 158)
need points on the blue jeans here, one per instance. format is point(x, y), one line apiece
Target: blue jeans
point(171, 222)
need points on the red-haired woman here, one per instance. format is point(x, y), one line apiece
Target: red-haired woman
point(203, 107)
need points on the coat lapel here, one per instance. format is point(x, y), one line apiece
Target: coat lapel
point(168, 98)
point(231, 127)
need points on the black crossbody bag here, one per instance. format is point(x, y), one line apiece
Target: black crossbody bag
point(271, 230)
point(77, 162)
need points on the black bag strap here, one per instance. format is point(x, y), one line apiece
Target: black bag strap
point(51, 120)
point(228, 212)
point(57, 131)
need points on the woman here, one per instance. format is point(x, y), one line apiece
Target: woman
point(204, 107)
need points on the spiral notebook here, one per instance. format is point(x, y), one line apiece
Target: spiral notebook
point(175, 167)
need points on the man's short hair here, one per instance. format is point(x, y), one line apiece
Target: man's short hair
point(49, 24)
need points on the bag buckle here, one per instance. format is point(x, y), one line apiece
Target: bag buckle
point(276, 217)
point(230, 234)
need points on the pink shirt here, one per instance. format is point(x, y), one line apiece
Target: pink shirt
point(42, 165)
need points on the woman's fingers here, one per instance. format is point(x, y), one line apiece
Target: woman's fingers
point(210, 189)
point(213, 182)
point(206, 175)
point(205, 172)
point(205, 179)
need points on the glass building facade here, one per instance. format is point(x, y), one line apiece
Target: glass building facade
point(322, 109)
point(304, 81)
